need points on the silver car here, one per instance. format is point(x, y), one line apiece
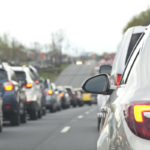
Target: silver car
point(127, 121)
point(32, 90)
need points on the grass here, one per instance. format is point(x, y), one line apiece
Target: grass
point(52, 72)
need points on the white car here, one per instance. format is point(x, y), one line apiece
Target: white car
point(127, 121)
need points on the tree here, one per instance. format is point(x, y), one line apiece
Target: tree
point(141, 19)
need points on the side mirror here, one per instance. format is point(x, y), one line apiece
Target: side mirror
point(98, 85)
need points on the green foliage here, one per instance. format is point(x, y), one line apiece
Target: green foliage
point(52, 72)
point(141, 19)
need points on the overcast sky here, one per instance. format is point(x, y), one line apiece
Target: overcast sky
point(92, 25)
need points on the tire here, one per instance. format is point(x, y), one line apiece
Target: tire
point(15, 120)
point(40, 114)
point(1, 126)
point(34, 115)
point(24, 118)
point(98, 123)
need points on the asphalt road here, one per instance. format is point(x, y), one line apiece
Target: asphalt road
point(71, 129)
point(75, 75)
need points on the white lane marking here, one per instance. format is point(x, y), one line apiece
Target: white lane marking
point(80, 117)
point(87, 112)
point(65, 129)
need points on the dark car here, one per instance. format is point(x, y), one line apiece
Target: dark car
point(14, 99)
point(73, 98)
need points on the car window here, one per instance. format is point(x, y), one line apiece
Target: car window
point(20, 75)
point(3, 74)
point(133, 41)
point(130, 64)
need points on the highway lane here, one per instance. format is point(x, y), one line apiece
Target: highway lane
point(71, 129)
point(75, 75)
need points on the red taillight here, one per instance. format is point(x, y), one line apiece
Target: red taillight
point(138, 119)
point(28, 85)
point(119, 76)
point(61, 95)
point(36, 81)
point(28, 102)
point(7, 106)
point(49, 92)
point(8, 86)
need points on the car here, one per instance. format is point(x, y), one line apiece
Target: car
point(128, 108)
point(40, 83)
point(101, 98)
point(64, 97)
point(78, 95)
point(73, 98)
point(126, 46)
point(87, 98)
point(52, 98)
point(13, 96)
point(129, 40)
point(32, 91)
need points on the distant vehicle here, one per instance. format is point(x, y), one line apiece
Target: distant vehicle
point(37, 80)
point(87, 98)
point(78, 95)
point(32, 90)
point(105, 69)
point(14, 99)
point(52, 97)
point(64, 97)
point(73, 98)
point(101, 99)
point(129, 40)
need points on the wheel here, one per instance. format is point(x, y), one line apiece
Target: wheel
point(34, 115)
point(23, 118)
point(1, 126)
point(15, 120)
point(98, 123)
point(40, 113)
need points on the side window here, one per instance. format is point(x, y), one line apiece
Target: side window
point(130, 65)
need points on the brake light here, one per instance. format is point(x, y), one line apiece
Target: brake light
point(50, 92)
point(36, 81)
point(28, 85)
point(119, 76)
point(61, 95)
point(8, 86)
point(28, 102)
point(138, 119)
point(7, 106)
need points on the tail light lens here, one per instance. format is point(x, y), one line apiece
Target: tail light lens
point(61, 95)
point(7, 106)
point(36, 81)
point(8, 86)
point(29, 85)
point(138, 119)
point(119, 76)
point(50, 92)
point(28, 102)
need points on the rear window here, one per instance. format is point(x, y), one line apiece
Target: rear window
point(105, 69)
point(3, 75)
point(20, 75)
point(133, 41)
